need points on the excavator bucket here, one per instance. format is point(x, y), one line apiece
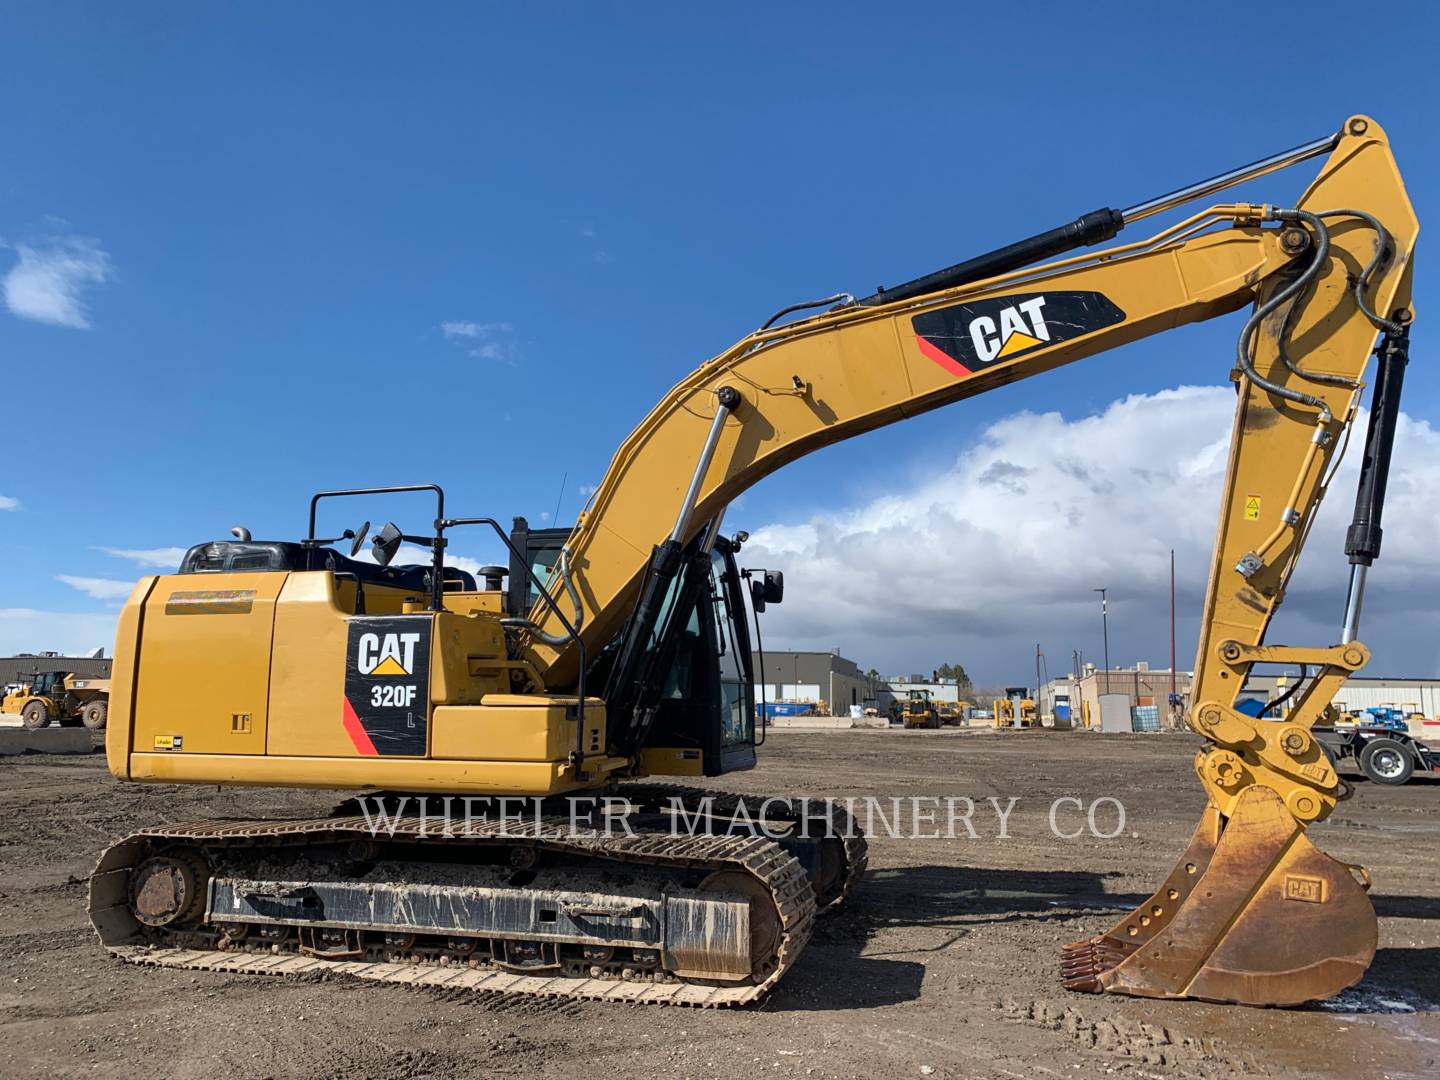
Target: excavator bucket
point(1252, 914)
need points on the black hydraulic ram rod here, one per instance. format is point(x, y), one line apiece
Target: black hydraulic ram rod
point(1362, 541)
point(1092, 228)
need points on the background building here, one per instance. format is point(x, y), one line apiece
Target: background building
point(1141, 684)
point(896, 687)
point(1145, 686)
point(16, 668)
point(820, 677)
point(1410, 695)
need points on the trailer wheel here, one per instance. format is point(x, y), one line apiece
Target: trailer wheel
point(1387, 761)
point(95, 714)
point(36, 715)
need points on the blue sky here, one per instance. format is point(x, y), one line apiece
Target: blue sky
point(271, 213)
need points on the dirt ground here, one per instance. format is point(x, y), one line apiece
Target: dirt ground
point(944, 965)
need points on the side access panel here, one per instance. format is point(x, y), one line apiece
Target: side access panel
point(204, 672)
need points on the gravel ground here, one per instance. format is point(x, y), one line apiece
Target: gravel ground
point(944, 965)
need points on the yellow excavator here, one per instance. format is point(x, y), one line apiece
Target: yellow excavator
point(620, 649)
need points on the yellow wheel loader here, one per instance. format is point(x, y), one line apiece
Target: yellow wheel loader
point(62, 697)
point(951, 713)
point(1016, 709)
point(920, 710)
point(620, 649)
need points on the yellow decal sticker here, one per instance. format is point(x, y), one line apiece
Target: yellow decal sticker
point(1252, 508)
point(211, 602)
point(169, 742)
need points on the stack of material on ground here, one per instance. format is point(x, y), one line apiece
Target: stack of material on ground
point(1145, 718)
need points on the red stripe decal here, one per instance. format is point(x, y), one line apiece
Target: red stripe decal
point(949, 363)
point(358, 735)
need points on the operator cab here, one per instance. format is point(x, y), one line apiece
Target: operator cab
point(695, 694)
point(48, 683)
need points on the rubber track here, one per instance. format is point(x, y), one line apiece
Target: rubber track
point(777, 869)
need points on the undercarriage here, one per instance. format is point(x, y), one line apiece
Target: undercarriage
point(667, 894)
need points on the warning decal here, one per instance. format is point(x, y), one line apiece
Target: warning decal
point(1252, 508)
point(387, 684)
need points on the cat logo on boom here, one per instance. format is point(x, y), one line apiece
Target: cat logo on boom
point(387, 654)
point(964, 338)
point(1021, 327)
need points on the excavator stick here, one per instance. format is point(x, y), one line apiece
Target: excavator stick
point(1252, 913)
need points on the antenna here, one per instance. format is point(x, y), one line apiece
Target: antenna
point(555, 518)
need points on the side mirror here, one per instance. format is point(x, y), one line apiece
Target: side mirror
point(386, 543)
point(774, 586)
point(359, 535)
point(766, 589)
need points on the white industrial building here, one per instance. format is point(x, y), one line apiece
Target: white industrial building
point(897, 688)
point(1145, 686)
point(1410, 695)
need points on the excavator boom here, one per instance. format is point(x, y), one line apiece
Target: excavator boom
point(1279, 922)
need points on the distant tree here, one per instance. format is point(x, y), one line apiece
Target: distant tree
point(953, 671)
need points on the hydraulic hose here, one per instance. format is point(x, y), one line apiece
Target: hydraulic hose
point(1382, 254)
point(570, 590)
point(841, 298)
point(1275, 703)
point(1285, 295)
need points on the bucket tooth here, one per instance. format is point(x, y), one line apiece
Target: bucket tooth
point(1252, 913)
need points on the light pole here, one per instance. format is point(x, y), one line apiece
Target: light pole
point(1105, 630)
point(1174, 692)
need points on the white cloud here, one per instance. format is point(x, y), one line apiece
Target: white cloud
point(98, 588)
point(586, 490)
point(485, 341)
point(48, 279)
point(8, 503)
point(1001, 550)
point(465, 329)
point(163, 558)
point(70, 634)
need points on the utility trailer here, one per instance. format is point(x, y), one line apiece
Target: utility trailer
point(1383, 754)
